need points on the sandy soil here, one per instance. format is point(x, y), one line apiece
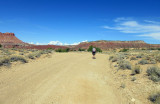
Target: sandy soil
point(64, 78)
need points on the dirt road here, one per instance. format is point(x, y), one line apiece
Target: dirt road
point(65, 78)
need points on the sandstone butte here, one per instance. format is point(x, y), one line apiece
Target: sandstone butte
point(9, 40)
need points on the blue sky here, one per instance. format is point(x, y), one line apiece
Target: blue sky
point(73, 21)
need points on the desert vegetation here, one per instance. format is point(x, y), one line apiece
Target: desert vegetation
point(62, 50)
point(9, 56)
point(137, 66)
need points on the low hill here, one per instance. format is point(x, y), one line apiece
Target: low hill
point(113, 44)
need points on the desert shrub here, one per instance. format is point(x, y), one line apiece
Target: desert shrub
point(50, 49)
point(114, 59)
point(138, 56)
point(157, 57)
point(124, 50)
point(155, 97)
point(18, 58)
point(6, 52)
point(143, 62)
point(4, 61)
point(133, 79)
point(37, 54)
point(123, 85)
point(47, 51)
point(154, 73)
point(21, 53)
point(153, 61)
point(148, 58)
point(62, 50)
point(136, 70)
point(111, 57)
point(81, 49)
point(124, 65)
point(31, 56)
point(21, 50)
point(133, 58)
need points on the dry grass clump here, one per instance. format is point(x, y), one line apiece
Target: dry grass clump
point(136, 70)
point(155, 97)
point(157, 58)
point(115, 59)
point(133, 58)
point(133, 79)
point(138, 56)
point(143, 62)
point(122, 64)
point(123, 85)
point(154, 73)
point(4, 61)
point(111, 57)
point(18, 58)
point(6, 57)
point(37, 54)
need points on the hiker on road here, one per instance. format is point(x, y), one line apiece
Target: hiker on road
point(94, 52)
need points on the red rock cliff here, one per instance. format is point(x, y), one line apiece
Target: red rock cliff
point(6, 38)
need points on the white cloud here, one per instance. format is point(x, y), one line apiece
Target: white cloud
point(40, 43)
point(130, 24)
point(152, 35)
point(154, 22)
point(152, 29)
point(120, 19)
point(56, 43)
point(31, 42)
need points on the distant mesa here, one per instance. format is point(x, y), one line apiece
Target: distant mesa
point(9, 40)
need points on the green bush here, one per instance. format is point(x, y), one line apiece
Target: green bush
point(91, 47)
point(154, 73)
point(81, 49)
point(155, 97)
point(0, 46)
point(124, 50)
point(50, 49)
point(62, 50)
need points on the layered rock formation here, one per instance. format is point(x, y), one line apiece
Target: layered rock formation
point(6, 38)
point(113, 44)
point(9, 40)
